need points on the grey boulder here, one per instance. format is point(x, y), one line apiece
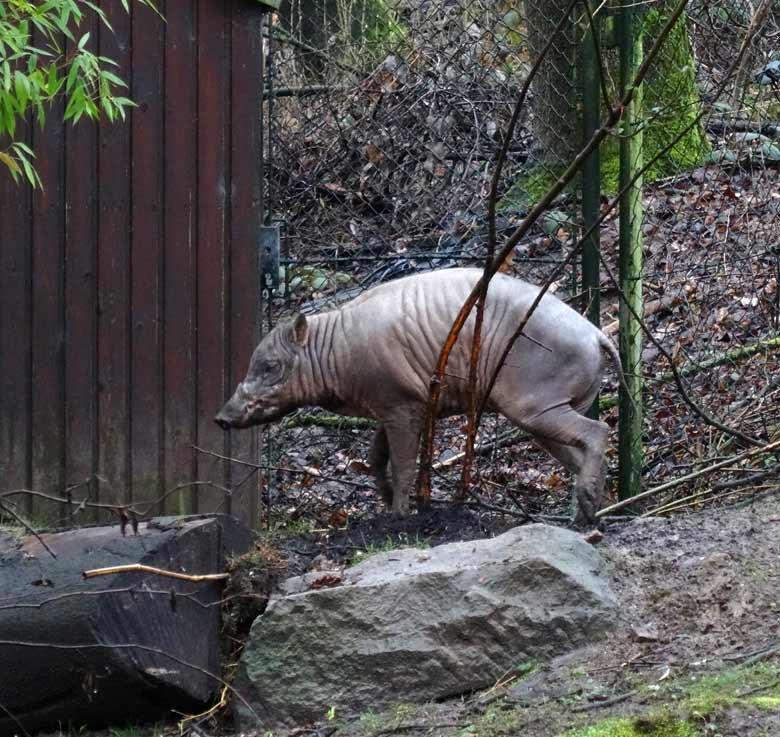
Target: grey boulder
point(419, 625)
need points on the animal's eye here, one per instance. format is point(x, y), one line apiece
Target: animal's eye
point(270, 366)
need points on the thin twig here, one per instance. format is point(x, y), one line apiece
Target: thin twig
point(678, 379)
point(476, 339)
point(689, 477)
point(285, 469)
point(606, 702)
point(113, 570)
point(5, 508)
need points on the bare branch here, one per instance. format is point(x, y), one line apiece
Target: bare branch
point(5, 508)
point(690, 477)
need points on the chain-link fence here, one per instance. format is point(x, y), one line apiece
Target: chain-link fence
point(384, 121)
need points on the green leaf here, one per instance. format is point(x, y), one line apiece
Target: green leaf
point(112, 78)
point(30, 172)
point(721, 156)
point(23, 147)
point(770, 152)
point(22, 87)
point(9, 118)
point(73, 74)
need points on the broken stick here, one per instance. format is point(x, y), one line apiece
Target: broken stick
point(111, 570)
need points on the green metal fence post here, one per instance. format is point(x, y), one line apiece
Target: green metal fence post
point(591, 174)
point(631, 259)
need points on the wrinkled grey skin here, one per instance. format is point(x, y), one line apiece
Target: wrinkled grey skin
point(375, 356)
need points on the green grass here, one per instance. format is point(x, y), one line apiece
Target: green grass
point(136, 732)
point(388, 546)
point(661, 725)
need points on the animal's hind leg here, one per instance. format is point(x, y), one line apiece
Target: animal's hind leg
point(570, 458)
point(378, 456)
point(556, 425)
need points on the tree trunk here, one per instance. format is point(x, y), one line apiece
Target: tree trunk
point(554, 120)
point(111, 649)
point(671, 99)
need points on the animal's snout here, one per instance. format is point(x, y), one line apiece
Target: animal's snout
point(221, 419)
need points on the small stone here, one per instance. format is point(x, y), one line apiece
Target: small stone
point(645, 633)
point(593, 537)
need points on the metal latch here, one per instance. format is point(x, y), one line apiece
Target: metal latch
point(269, 256)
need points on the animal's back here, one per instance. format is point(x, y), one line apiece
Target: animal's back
point(429, 302)
point(404, 324)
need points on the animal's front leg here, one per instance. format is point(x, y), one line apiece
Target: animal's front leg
point(378, 456)
point(403, 436)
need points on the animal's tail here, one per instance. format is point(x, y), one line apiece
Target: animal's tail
point(612, 352)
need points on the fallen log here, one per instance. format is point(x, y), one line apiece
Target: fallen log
point(125, 648)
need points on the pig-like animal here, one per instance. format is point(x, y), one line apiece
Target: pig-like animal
point(374, 357)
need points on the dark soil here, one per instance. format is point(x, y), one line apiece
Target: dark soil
point(344, 546)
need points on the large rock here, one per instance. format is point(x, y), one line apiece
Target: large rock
point(117, 648)
point(417, 625)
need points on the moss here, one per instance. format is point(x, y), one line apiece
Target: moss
point(726, 690)
point(384, 30)
point(671, 103)
point(660, 725)
point(529, 188)
point(387, 722)
point(766, 703)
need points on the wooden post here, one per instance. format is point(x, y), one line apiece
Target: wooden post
point(631, 260)
point(591, 175)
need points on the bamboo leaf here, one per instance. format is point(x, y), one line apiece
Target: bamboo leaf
point(9, 162)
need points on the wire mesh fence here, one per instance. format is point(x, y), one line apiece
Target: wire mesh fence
point(384, 120)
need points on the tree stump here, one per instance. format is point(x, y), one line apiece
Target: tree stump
point(120, 648)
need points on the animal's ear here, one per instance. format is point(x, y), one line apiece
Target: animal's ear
point(299, 329)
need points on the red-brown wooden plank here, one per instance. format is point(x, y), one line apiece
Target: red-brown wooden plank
point(15, 334)
point(48, 236)
point(113, 277)
point(181, 110)
point(213, 178)
point(146, 386)
point(246, 210)
point(80, 303)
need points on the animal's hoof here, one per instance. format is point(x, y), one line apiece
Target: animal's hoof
point(585, 511)
point(583, 519)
